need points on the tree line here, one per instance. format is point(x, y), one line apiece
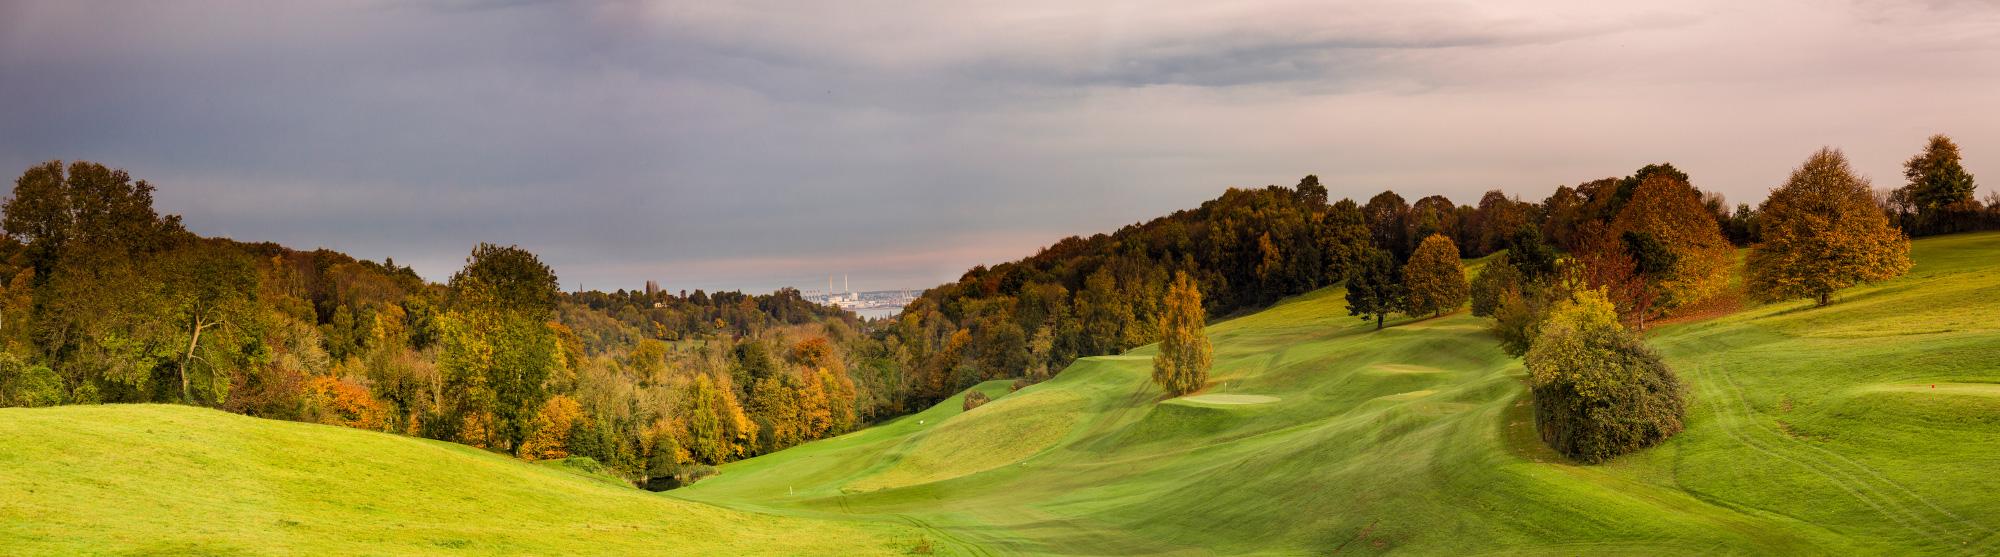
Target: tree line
point(108, 301)
point(1571, 282)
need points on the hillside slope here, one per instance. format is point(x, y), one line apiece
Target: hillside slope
point(1867, 427)
point(153, 480)
point(1812, 430)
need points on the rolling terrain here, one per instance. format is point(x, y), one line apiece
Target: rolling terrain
point(1867, 427)
point(1811, 430)
point(178, 480)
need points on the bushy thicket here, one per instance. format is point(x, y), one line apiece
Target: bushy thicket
point(1599, 391)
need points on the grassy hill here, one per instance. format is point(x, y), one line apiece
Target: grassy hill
point(168, 480)
point(1812, 430)
point(1868, 427)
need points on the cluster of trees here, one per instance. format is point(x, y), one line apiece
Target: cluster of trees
point(1938, 195)
point(1431, 283)
point(1651, 241)
point(1599, 391)
point(1244, 250)
point(105, 300)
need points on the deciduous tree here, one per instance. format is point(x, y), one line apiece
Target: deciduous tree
point(1669, 210)
point(1182, 364)
point(1939, 188)
point(1375, 289)
point(1822, 232)
point(1433, 280)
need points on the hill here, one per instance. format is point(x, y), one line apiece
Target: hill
point(178, 480)
point(1864, 427)
point(1861, 428)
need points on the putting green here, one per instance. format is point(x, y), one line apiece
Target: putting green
point(1217, 398)
point(1977, 389)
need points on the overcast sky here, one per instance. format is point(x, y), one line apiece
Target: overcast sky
point(753, 145)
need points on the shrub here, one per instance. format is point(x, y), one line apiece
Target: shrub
point(678, 475)
point(333, 401)
point(25, 384)
point(1599, 391)
point(975, 399)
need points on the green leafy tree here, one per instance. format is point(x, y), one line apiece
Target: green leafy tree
point(1822, 232)
point(26, 384)
point(1490, 289)
point(211, 299)
point(1388, 223)
point(1938, 185)
point(86, 206)
point(1375, 289)
point(501, 350)
point(1343, 238)
point(1433, 280)
point(506, 279)
point(1599, 391)
point(1185, 355)
point(1104, 314)
point(717, 428)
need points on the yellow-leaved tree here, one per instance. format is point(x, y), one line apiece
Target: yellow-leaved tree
point(1433, 280)
point(1823, 232)
point(1182, 365)
point(550, 433)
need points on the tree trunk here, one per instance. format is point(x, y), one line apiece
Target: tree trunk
point(1825, 298)
point(194, 341)
point(1378, 320)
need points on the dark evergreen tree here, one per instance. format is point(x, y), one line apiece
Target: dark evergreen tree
point(1375, 290)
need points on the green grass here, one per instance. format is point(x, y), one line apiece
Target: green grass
point(175, 480)
point(1810, 431)
point(1808, 434)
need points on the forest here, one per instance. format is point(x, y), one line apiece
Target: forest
point(106, 300)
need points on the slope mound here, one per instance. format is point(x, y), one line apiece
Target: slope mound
point(156, 479)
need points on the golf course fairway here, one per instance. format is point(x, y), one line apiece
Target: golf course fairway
point(1806, 435)
point(1810, 431)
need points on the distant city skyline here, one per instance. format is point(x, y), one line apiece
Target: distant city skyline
point(751, 146)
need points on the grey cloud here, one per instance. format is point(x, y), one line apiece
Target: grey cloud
point(760, 144)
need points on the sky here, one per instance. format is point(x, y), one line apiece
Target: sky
point(755, 145)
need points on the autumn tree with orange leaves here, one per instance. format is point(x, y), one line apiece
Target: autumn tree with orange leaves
point(1823, 232)
point(1669, 211)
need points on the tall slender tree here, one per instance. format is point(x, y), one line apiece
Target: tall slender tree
point(1185, 355)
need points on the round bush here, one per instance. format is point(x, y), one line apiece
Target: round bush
point(1599, 391)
